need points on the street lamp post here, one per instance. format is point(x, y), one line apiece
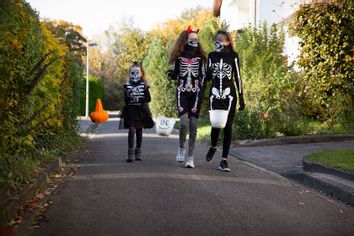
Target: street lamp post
point(87, 77)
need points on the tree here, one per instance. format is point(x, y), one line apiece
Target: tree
point(162, 39)
point(125, 45)
point(68, 34)
point(162, 89)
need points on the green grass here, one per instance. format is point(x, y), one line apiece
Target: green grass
point(337, 128)
point(204, 128)
point(203, 132)
point(341, 159)
point(21, 168)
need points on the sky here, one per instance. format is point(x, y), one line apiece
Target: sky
point(95, 16)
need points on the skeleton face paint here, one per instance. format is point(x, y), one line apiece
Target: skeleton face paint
point(192, 40)
point(193, 43)
point(221, 42)
point(218, 46)
point(135, 74)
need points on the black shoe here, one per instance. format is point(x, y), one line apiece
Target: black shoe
point(224, 166)
point(209, 156)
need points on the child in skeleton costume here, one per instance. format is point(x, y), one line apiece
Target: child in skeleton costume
point(136, 112)
point(188, 68)
point(223, 65)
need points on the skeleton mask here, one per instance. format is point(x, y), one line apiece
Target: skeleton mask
point(193, 43)
point(193, 39)
point(219, 46)
point(135, 74)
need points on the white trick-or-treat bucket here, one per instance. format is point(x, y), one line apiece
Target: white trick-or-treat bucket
point(218, 118)
point(164, 125)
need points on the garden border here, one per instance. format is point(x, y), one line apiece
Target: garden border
point(297, 139)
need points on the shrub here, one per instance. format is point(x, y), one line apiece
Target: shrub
point(327, 56)
point(39, 93)
point(96, 90)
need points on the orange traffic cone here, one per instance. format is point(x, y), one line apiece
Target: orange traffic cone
point(100, 115)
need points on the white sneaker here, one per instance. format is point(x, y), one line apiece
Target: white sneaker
point(181, 152)
point(189, 162)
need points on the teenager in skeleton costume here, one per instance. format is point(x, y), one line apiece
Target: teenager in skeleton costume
point(188, 68)
point(223, 67)
point(136, 113)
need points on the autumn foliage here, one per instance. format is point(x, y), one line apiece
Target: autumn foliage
point(40, 75)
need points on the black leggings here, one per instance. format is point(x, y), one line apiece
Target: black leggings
point(227, 137)
point(139, 137)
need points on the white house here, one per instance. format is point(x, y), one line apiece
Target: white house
point(241, 13)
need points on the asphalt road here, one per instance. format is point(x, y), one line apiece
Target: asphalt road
point(158, 196)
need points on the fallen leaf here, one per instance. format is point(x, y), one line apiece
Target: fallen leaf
point(12, 222)
point(57, 176)
point(40, 195)
point(32, 206)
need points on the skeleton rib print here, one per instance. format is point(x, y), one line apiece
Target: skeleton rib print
point(191, 80)
point(221, 71)
point(189, 66)
point(224, 72)
point(136, 92)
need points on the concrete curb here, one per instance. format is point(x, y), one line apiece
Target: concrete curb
point(16, 202)
point(297, 139)
point(340, 193)
point(317, 167)
point(92, 129)
point(114, 114)
point(27, 223)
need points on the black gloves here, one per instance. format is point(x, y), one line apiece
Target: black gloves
point(241, 103)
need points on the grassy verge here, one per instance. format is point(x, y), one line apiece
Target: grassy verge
point(204, 128)
point(248, 126)
point(22, 168)
point(317, 127)
point(203, 132)
point(341, 159)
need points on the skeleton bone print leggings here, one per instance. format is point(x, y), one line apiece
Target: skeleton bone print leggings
point(183, 129)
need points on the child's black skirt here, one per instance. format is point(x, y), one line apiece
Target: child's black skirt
point(137, 116)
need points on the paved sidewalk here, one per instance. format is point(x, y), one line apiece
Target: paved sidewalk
point(158, 196)
point(287, 160)
point(84, 125)
point(284, 159)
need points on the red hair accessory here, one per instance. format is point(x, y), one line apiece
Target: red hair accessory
point(190, 30)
